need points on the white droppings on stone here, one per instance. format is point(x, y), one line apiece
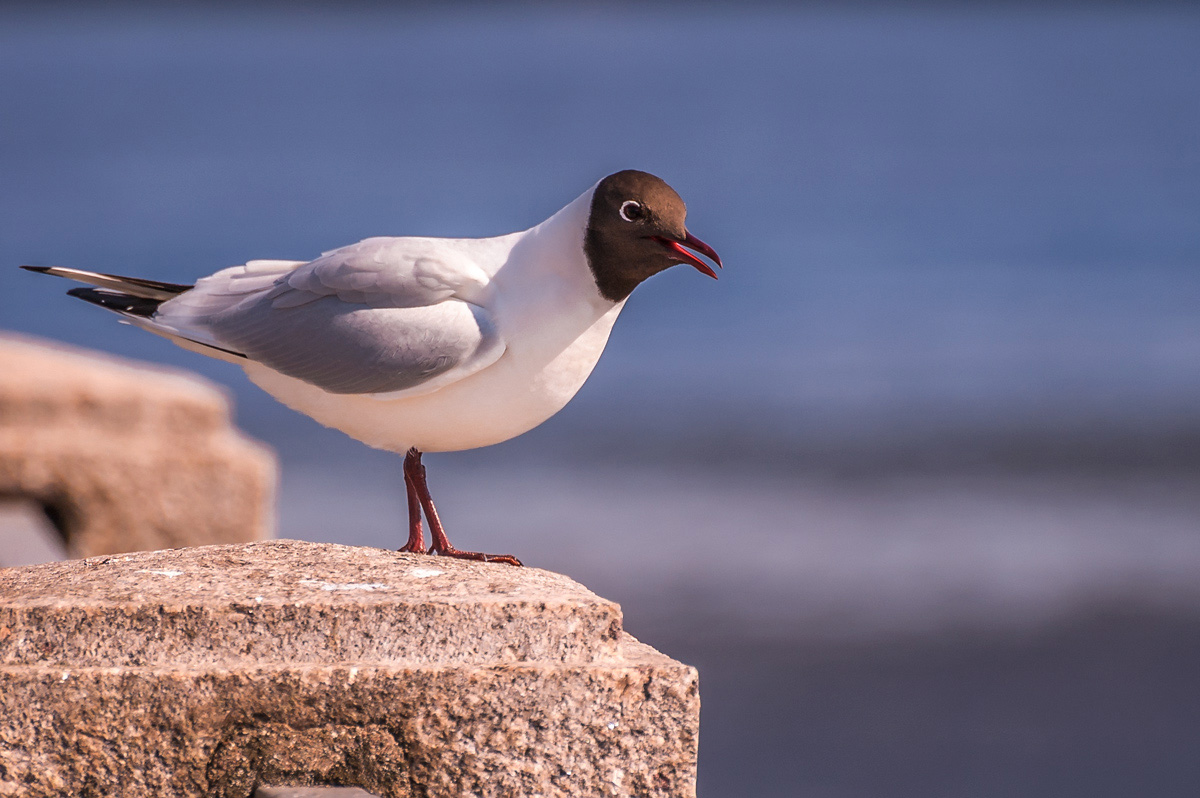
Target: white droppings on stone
point(65, 675)
point(425, 573)
point(612, 725)
point(171, 574)
point(258, 599)
point(331, 586)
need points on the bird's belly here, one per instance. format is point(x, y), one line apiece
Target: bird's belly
point(515, 394)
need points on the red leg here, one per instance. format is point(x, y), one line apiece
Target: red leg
point(416, 535)
point(441, 545)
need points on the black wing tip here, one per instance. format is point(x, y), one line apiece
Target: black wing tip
point(130, 305)
point(158, 285)
point(113, 300)
point(81, 276)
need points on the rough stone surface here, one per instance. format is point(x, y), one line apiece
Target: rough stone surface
point(516, 682)
point(126, 457)
point(296, 602)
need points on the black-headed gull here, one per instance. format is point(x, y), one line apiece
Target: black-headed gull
point(427, 344)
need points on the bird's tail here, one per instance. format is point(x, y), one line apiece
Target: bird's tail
point(137, 300)
point(132, 296)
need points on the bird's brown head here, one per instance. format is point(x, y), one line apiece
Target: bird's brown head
point(636, 230)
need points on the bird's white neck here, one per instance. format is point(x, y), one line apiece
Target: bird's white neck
point(549, 259)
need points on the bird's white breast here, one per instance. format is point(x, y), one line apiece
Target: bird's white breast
point(510, 397)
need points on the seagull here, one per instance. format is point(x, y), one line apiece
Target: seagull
point(413, 344)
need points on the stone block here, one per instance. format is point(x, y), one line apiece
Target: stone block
point(126, 457)
point(223, 670)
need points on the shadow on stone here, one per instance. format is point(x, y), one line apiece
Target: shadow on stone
point(370, 756)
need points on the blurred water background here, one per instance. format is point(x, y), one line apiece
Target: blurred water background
point(914, 484)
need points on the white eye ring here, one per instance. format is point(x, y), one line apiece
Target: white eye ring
point(628, 204)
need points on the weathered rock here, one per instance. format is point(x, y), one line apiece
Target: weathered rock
point(312, 792)
point(216, 670)
point(296, 603)
point(126, 457)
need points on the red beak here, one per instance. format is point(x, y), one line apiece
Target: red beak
point(692, 242)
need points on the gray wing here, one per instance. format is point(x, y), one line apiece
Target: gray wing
point(346, 347)
point(382, 316)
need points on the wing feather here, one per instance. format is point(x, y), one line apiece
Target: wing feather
point(384, 316)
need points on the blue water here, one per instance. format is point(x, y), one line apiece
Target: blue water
point(949, 378)
point(932, 216)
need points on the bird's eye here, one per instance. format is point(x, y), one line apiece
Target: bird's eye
point(632, 211)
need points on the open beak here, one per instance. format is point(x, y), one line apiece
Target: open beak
point(691, 242)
